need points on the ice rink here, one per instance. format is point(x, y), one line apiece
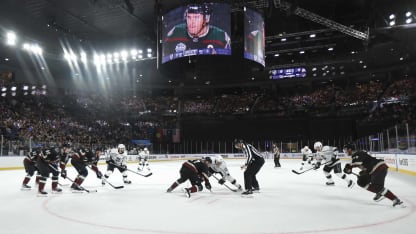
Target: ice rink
point(287, 203)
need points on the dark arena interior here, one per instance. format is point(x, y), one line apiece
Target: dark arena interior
point(91, 72)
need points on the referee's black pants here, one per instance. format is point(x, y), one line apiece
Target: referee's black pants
point(250, 180)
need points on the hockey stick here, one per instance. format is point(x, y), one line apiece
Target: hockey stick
point(104, 179)
point(234, 190)
point(55, 169)
point(79, 186)
point(144, 175)
point(116, 187)
point(312, 168)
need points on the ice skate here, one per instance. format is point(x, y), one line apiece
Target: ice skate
point(76, 189)
point(351, 184)
point(330, 183)
point(57, 190)
point(379, 196)
point(127, 181)
point(247, 193)
point(398, 203)
point(25, 187)
point(186, 192)
point(42, 194)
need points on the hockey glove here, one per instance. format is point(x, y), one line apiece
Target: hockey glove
point(221, 181)
point(208, 186)
point(317, 165)
point(124, 167)
point(63, 174)
point(99, 174)
point(348, 168)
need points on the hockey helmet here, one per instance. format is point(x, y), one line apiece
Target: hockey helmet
point(317, 146)
point(121, 148)
point(238, 144)
point(203, 8)
point(305, 150)
point(208, 159)
point(326, 149)
point(218, 160)
point(349, 148)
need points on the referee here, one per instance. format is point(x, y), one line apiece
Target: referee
point(252, 166)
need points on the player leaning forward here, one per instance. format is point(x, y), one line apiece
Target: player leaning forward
point(332, 162)
point(196, 171)
point(372, 175)
point(219, 166)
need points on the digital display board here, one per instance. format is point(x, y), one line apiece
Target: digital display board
point(196, 29)
point(297, 72)
point(254, 40)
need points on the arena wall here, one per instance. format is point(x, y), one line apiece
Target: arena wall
point(403, 163)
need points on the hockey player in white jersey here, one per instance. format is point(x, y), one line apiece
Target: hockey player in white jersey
point(117, 158)
point(307, 157)
point(332, 162)
point(143, 163)
point(219, 166)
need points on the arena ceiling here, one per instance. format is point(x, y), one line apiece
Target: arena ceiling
point(352, 36)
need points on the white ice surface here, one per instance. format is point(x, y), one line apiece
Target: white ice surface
point(287, 203)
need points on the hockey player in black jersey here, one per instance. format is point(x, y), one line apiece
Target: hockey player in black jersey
point(195, 171)
point(81, 159)
point(372, 175)
point(47, 163)
point(254, 163)
point(29, 163)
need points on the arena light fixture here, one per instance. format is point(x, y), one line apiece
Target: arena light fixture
point(11, 38)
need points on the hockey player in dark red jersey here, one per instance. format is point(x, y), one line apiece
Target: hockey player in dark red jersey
point(372, 175)
point(29, 163)
point(81, 159)
point(195, 171)
point(254, 163)
point(196, 33)
point(47, 163)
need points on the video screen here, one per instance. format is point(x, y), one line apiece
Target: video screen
point(196, 29)
point(254, 41)
point(297, 72)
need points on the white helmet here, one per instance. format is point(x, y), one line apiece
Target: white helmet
point(326, 149)
point(218, 160)
point(121, 148)
point(317, 146)
point(305, 150)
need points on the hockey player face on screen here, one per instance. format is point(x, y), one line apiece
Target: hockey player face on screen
point(197, 24)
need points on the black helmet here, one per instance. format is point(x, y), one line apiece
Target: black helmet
point(208, 159)
point(237, 142)
point(349, 145)
point(203, 8)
